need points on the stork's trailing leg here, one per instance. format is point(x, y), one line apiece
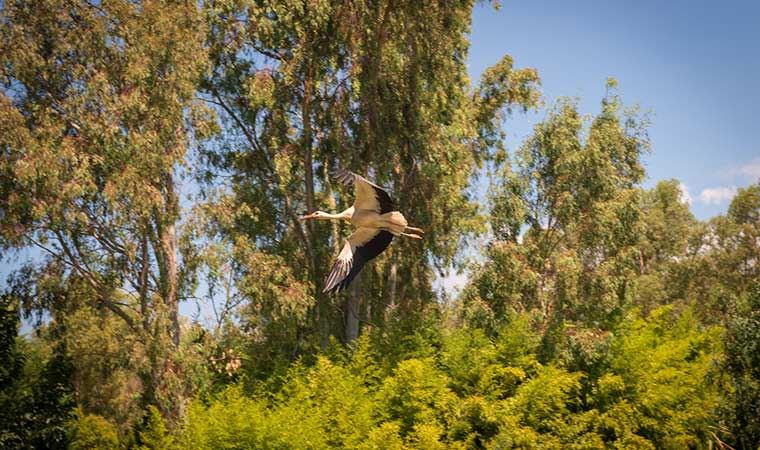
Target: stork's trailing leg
point(416, 230)
point(413, 236)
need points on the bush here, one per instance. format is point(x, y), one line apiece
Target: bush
point(91, 432)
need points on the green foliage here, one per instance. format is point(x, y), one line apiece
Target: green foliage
point(745, 206)
point(53, 402)
point(668, 223)
point(543, 403)
point(37, 403)
point(742, 365)
point(98, 111)
point(481, 392)
point(12, 393)
point(415, 394)
point(324, 407)
point(566, 219)
point(667, 359)
point(231, 418)
point(601, 315)
point(153, 434)
point(380, 88)
point(90, 432)
point(13, 360)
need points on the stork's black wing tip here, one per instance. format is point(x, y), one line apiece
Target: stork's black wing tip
point(344, 176)
point(333, 290)
point(338, 274)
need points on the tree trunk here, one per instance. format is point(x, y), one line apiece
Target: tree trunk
point(352, 311)
point(163, 385)
point(307, 141)
point(168, 266)
point(323, 307)
point(170, 294)
point(392, 281)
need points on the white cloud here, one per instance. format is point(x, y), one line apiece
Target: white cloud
point(685, 196)
point(751, 169)
point(716, 196)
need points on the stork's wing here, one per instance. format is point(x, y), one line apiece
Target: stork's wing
point(368, 195)
point(363, 245)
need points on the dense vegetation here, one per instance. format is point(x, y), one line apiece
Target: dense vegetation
point(157, 153)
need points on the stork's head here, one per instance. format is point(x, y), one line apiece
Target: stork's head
point(314, 215)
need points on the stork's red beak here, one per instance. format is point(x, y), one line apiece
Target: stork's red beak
point(306, 216)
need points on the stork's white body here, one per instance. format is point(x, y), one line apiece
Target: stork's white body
point(392, 221)
point(376, 221)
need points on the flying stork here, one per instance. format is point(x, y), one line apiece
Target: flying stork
point(376, 219)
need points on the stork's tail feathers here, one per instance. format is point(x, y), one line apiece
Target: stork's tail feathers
point(394, 222)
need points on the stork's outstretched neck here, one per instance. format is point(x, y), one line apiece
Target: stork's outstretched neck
point(321, 215)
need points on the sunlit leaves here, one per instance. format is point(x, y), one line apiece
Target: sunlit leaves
point(565, 213)
point(98, 112)
point(653, 394)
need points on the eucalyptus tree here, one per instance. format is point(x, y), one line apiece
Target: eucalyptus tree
point(97, 112)
point(565, 218)
point(742, 367)
point(719, 265)
point(378, 87)
point(666, 245)
point(668, 224)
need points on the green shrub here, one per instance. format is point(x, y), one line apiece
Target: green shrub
point(92, 432)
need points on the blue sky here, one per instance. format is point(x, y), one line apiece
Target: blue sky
point(694, 65)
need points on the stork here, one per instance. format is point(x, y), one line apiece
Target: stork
point(377, 221)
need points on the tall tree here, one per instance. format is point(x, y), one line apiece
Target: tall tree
point(36, 398)
point(565, 219)
point(720, 264)
point(97, 112)
point(742, 365)
point(667, 238)
point(378, 87)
